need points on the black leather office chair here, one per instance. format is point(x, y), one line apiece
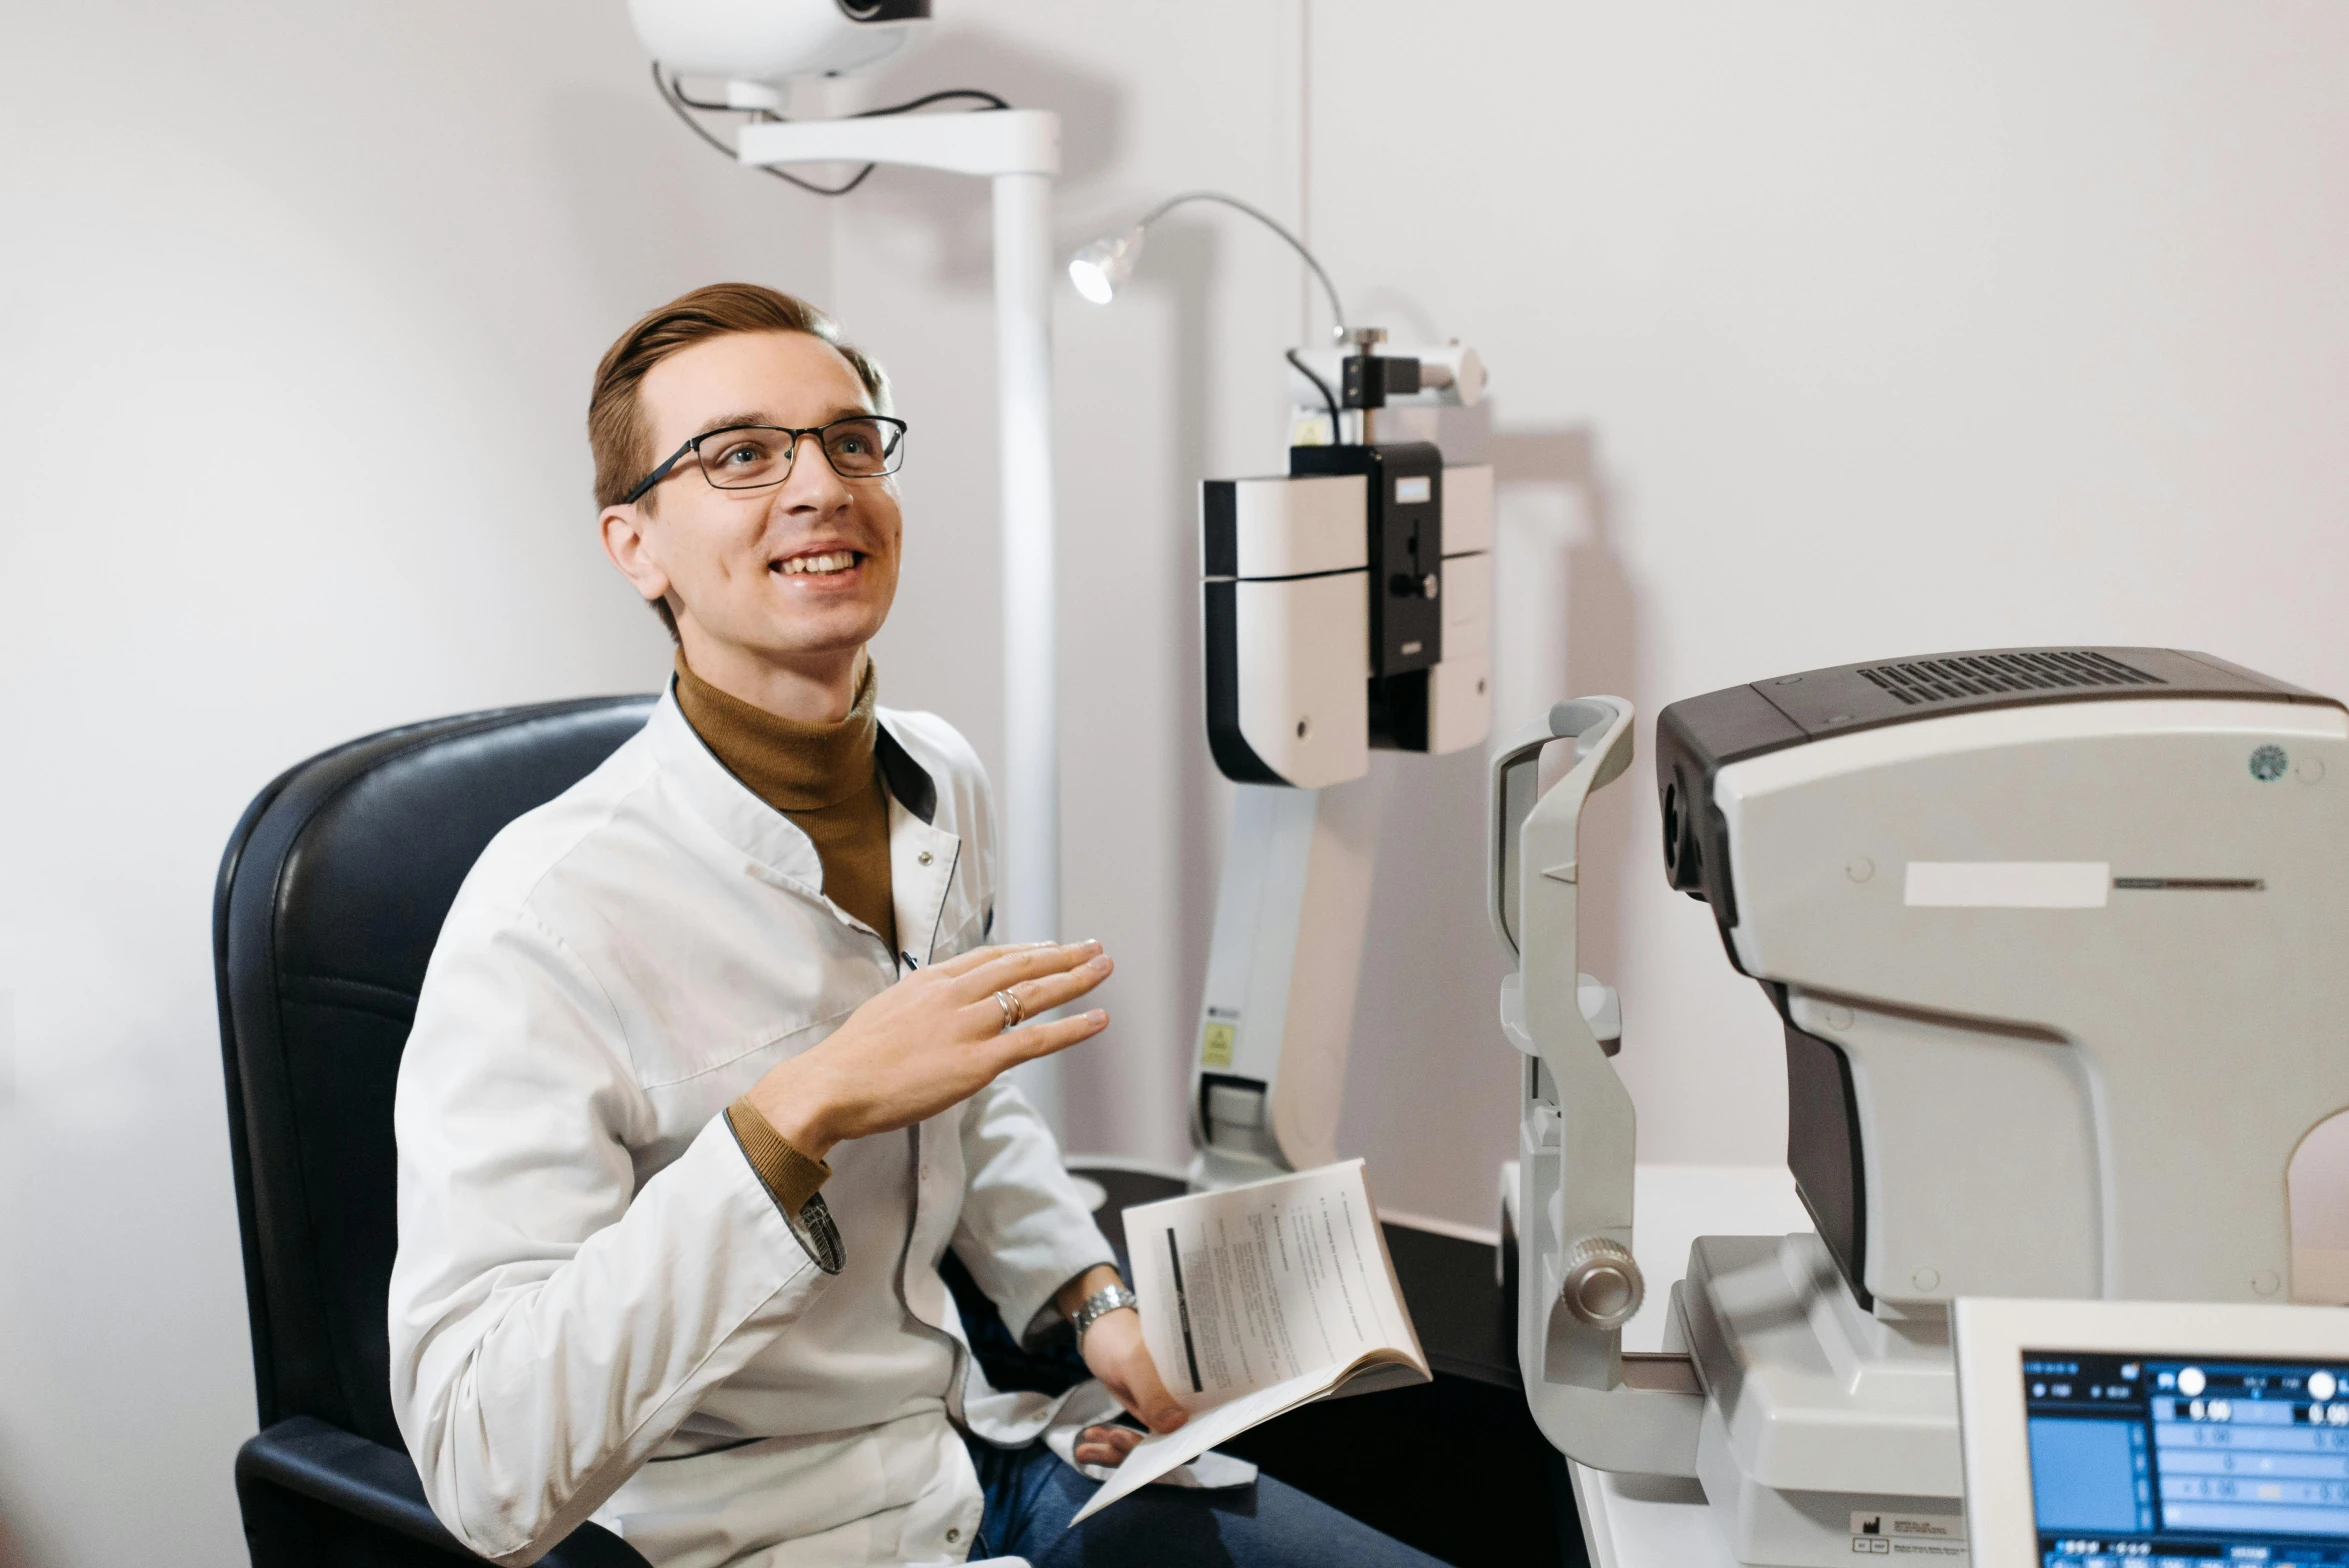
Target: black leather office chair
point(331, 896)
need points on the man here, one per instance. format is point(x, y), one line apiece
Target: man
point(703, 1080)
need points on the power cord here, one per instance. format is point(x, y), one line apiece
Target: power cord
point(1320, 386)
point(673, 94)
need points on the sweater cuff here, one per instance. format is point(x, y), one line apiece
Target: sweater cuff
point(791, 1179)
point(790, 1175)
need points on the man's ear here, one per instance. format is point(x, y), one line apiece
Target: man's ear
point(632, 551)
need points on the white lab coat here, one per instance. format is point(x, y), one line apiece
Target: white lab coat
point(590, 1275)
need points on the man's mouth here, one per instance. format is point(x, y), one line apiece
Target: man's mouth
point(818, 563)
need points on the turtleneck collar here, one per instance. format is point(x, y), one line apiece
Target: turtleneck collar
point(791, 765)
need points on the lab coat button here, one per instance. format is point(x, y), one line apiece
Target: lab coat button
point(922, 859)
point(953, 1534)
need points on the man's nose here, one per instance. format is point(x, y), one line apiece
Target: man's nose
point(813, 482)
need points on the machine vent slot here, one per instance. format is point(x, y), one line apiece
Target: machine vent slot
point(1917, 681)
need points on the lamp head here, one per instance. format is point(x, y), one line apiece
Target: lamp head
point(1101, 268)
point(773, 40)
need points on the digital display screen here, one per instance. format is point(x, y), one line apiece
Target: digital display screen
point(2142, 1461)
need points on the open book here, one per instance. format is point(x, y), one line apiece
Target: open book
point(1257, 1300)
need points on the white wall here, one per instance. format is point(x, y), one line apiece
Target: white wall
point(1818, 332)
point(299, 305)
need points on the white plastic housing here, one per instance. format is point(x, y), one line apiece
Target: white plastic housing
point(1288, 625)
point(2121, 1081)
point(1277, 1015)
point(1288, 609)
point(1295, 527)
point(1304, 659)
point(1460, 700)
point(765, 40)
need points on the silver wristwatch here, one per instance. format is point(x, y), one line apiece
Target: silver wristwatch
point(1098, 1306)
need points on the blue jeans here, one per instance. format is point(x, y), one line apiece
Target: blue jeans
point(1031, 1496)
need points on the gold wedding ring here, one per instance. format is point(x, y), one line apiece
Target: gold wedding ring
point(1012, 1011)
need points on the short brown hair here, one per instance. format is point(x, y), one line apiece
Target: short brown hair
point(616, 432)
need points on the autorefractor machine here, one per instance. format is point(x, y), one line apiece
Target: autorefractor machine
point(2059, 941)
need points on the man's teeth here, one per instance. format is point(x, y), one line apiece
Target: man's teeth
point(825, 564)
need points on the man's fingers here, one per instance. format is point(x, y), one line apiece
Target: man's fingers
point(1030, 1041)
point(1030, 963)
point(1038, 997)
point(985, 1015)
point(1147, 1396)
point(1106, 1445)
point(964, 963)
point(1120, 1438)
point(1006, 970)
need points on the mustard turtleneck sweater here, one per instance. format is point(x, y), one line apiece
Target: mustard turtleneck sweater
point(824, 777)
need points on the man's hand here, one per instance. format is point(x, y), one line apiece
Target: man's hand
point(1114, 1353)
point(933, 1039)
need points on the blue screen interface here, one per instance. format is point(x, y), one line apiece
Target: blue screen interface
point(2146, 1461)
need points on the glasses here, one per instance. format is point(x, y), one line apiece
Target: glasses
point(751, 457)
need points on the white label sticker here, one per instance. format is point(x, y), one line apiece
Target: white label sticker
point(1868, 1526)
point(1413, 487)
point(2008, 884)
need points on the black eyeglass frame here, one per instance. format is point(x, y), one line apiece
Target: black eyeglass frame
point(692, 448)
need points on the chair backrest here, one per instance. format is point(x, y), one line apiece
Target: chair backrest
point(331, 896)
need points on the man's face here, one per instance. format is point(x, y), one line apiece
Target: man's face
point(798, 572)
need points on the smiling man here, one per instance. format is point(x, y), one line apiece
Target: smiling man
point(703, 1082)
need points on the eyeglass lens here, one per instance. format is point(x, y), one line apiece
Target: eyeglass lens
point(746, 458)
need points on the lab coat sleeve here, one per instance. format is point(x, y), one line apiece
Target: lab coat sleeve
point(1024, 1230)
point(551, 1320)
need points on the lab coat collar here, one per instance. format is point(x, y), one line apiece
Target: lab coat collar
point(922, 855)
point(923, 859)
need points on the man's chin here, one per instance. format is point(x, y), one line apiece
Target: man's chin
point(799, 635)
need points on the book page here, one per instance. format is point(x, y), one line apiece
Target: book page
point(1257, 1300)
point(1260, 1285)
point(1155, 1455)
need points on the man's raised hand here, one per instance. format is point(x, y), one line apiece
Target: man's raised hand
point(933, 1039)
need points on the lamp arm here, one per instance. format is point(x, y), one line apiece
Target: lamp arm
point(1336, 311)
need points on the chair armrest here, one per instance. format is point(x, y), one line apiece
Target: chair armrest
point(305, 1456)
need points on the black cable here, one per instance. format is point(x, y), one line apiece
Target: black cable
point(674, 96)
point(694, 103)
point(987, 98)
point(677, 101)
point(1320, 386)
point(923, 102)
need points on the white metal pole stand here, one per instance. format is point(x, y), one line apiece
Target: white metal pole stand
point(1019, 151)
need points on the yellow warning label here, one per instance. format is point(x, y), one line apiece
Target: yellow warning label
point(1215, 1046)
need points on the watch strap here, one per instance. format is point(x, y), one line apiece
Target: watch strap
point(1108, 1299)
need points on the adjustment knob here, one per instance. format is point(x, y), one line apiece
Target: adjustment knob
point(1603, 1285)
